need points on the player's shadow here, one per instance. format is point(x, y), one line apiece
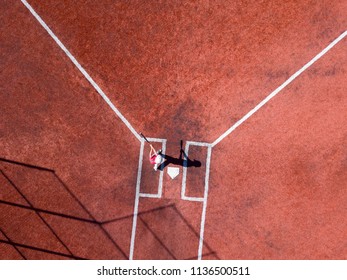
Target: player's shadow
point(182, 160)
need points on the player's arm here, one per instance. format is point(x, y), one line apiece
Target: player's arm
point(152, 152)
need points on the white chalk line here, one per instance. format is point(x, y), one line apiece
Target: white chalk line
point(204, 207)
point(184, 175)
point(183, 196)
point(156, 140)
point(138, 194)
point(136, 204)
point(201, 144)
point(281, 87)
point(193, 199)
point(206, 187)
point(149, 195)
point(161, 175)
point(81, 69)
point(126, 122)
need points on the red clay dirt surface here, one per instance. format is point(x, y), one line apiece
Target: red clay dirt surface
point(71, 172)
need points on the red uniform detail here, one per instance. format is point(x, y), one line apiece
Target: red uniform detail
point(152, 159)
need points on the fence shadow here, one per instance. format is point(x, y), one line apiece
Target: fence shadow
point(40, 212)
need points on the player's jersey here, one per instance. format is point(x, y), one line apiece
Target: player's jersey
point(152, 159)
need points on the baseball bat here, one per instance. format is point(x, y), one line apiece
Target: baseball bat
point(144, 137)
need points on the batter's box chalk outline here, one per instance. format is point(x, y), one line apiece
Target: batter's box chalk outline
point(185, 170)
point(161, 175)
point(138, 194)
point(183, 189)
point(198, 199)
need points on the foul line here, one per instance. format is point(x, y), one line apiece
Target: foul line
point(82, 70)
point(276, 91)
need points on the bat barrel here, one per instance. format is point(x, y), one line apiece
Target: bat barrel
point(144, 137)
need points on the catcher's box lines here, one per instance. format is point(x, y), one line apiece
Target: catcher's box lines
point(208, 145)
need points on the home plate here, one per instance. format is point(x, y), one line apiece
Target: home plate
point(173, 172)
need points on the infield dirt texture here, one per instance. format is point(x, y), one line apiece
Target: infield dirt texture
point(75, 180)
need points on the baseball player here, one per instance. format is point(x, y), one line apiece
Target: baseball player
point(155, 158)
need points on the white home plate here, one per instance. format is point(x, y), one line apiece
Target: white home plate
point(173, 172)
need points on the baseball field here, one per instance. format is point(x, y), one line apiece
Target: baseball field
point(246, 99)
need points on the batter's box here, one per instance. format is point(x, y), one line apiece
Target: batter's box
point(151, 181)
point(195, 179)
